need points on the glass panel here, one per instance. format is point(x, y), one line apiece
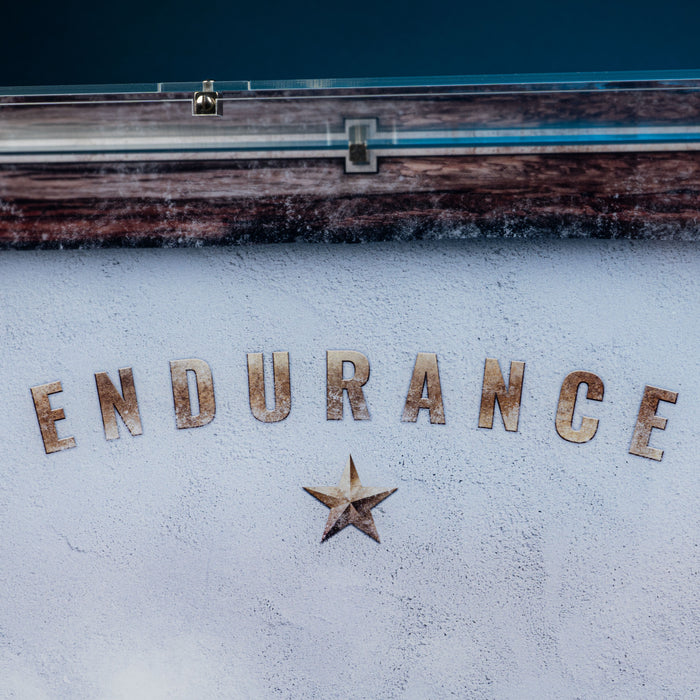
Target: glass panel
point(564, 81)
point(315, 121)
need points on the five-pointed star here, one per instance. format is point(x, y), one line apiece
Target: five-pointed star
point(350, 503)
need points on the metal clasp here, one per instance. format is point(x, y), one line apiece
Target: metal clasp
point(360, 158)
point(206, 103)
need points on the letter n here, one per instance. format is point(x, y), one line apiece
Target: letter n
point(494, 390)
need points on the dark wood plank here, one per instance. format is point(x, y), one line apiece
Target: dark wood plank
point(636, 195)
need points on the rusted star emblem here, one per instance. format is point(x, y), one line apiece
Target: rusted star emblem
point(350, 503)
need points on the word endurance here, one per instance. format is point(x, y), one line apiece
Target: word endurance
point(424, 393)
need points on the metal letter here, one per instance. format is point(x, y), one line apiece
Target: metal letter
point(494, 389)
point(127, 405)
point(425, 375)
point(647, 419)
point(567, 404)
point(181, 393)
point(256, 387)
point(48, 416)
point(336, 384)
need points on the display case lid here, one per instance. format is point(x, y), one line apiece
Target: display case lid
point(609, 154)
point(562, 81)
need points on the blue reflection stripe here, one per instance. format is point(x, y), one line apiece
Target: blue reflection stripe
point(535, 139)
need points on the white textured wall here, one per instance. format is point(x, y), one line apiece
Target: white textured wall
point(187, 564)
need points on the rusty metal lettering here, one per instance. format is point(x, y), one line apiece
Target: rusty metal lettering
point(647, 420)
point(567, 405)
point(181, 393)
point(256, 387)
point(425, 377)
point(336, 384)
point(494, 390)
point(112, 402)
point(48, 416)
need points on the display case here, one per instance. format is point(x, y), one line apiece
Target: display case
point(342, 389)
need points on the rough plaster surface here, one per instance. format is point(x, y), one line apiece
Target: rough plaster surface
point(188, 564)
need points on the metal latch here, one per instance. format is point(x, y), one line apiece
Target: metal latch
point(206, 102)
point(360, 158)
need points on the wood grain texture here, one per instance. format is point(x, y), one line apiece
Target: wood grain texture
point(650, 195)
point(147, 202)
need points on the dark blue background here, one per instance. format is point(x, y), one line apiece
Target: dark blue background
point(77, 42)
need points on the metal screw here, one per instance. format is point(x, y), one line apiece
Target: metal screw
point(205, 102)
